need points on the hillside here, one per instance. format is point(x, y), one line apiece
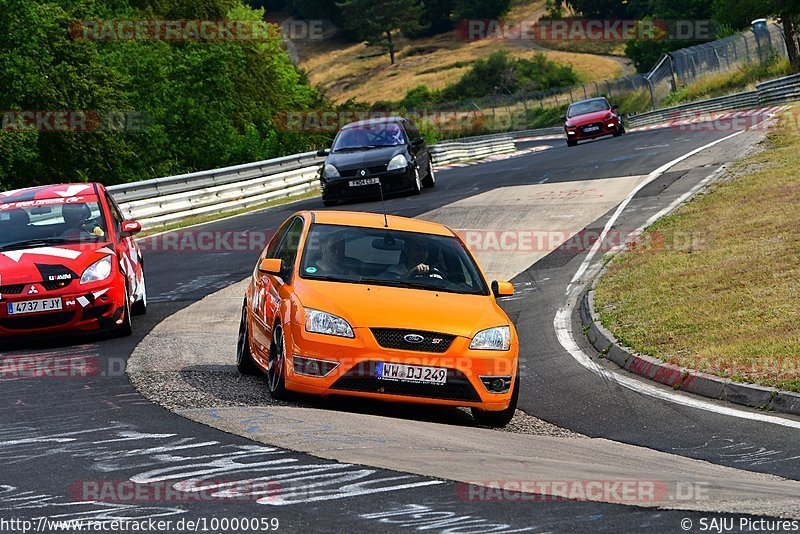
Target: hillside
point(346, 70)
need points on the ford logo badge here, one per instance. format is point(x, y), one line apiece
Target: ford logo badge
point(414, 338)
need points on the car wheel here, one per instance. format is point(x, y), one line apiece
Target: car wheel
point(328, 203)
point(140, 306)
point(244, 357)
point(276, 365)
point(619, 131)
point(503, 417)
point(430, 180)
point(417, 182)
point(571, 142)
point(126, 328)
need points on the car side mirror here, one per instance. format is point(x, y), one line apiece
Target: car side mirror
point(273, 266)
point(323, 153)
point(502, 289)
point(613, 108)
point(130, 228)
point(563, 117)
point(418, 142)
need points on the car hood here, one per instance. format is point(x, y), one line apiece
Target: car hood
point(372, 157)
point(61, 262)
point(391, 307)
point(586, 118)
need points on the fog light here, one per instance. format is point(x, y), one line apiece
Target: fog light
point(313, 367)
point(496, 384)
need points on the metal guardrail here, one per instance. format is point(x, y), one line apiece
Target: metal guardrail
point(166, 201)
point(786, 89)
point(746, 100)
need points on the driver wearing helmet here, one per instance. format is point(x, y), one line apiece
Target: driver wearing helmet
point(413, 260)
point(77, 223)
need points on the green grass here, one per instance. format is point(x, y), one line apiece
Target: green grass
point(211, 218)
point(716, 287)
point(742, 78)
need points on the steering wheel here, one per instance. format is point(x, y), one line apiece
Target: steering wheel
point(433, 272)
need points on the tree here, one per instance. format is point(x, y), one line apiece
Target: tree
point(375, 20)
point(739, 13)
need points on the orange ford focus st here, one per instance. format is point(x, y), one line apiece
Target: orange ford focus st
point(396, 309)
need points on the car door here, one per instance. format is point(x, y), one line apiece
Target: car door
point(270, 291)
point(418, 148)
point(128, 251)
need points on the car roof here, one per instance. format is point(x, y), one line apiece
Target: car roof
point(375, 220)
point(373, 121)
point(43, 192)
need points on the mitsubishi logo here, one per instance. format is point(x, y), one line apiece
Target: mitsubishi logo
point(33, 290)
point(363, 172)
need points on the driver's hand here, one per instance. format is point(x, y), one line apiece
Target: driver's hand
point(421, 268)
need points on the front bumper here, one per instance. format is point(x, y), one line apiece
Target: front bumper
point(85, 308)
point(392, 182)
point(578, 133)
point(357, 359)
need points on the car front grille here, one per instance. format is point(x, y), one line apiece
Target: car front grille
point(362, 378)
point(12, 290)
point(32, 322)
point(57, 284)
point(371, 171)
point(392, 338)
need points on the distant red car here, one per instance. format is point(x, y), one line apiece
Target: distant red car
point(68, 262)
point(591, 118)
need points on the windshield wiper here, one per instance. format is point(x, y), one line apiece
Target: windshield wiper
point(28, 243)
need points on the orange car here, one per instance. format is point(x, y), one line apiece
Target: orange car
point(396, 309)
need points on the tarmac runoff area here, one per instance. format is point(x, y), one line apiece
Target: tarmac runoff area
point(186, 364)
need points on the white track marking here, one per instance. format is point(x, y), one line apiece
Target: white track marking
point(563, 325)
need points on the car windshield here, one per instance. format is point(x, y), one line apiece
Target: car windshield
point(589, 106)
point(389, 257)
point(369, 136)
point(39, 223)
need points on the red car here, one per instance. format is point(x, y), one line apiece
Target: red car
point(591, 118)
point(68, 262)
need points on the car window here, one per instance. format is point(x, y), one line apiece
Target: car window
point(589, 106)
point(388, 257)
point(413, 132)
point(116, 213)
point(287, 251)
point(43, 219)
point(272, 248)
point(370, 136)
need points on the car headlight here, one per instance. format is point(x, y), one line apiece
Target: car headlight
point(570, 125)
point(99, 270)
point(497, 338)
point(320, 322)
point(330, 171)
point(398, 162)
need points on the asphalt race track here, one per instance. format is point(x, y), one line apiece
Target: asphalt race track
point(62, 435)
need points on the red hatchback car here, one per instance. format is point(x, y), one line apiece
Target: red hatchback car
point(591, 118)
point(68, 262)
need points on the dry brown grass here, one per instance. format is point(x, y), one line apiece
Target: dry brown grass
point(347, 71)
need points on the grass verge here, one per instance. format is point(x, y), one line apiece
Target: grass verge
point(720, 295)
point(191, 221)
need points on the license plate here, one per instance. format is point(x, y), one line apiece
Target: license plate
point(411, 373)
point(366, 181)
point(591, 128)
point(34, 306)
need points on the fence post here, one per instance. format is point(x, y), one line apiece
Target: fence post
point(652, 94)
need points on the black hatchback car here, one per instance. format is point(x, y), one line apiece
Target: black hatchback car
point(387, 153)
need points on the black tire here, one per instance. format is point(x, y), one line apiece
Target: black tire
point(276, 376)
point(571, 142)
point(140, 306)
point(328, 203)
point(244, 358)
point(620, 131)
point(430, 180)
point(126, 328)
point(503, 417)
point(417, 186)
